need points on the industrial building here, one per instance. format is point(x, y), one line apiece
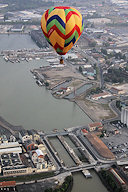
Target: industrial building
point(116, 91)
point(11, 147)
point(101, 96)
point(99, 146)
point(17, 28)
point(124, 116)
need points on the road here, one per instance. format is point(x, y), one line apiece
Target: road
point(93, 61)
point(113, 107)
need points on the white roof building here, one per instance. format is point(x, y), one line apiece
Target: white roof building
point(39, 153)
point(11, 150)
point(87, 66)
point(9, 145)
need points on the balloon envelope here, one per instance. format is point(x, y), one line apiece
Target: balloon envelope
point(62, 27)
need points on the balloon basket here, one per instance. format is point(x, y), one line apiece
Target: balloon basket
point(61, 61)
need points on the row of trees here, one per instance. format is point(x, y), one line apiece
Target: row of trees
point(65, 187)
point(116, 55)
point(116, 76)
point(110, 182)
point(96, 90)
point(118, 104)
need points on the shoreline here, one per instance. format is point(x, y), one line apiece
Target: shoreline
point(84, 109)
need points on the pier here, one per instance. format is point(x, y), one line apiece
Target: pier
point(69, 150)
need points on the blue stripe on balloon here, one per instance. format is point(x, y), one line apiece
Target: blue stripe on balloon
point(58, 19)
point(82, 22)
point(73, 41)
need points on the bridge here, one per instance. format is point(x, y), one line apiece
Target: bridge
point(55, 134)
point(64, 133)
point(87, 167)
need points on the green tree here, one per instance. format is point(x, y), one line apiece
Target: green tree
point(80, 69)
point(109, 39)
point(86, 60)
point(104, 51)
point(92, 44)
point(106, 44)
point(5, 17)
point(46, 84)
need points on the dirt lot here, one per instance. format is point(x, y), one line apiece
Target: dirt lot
point(61, 73)
point(124, 87)
point(94, 110)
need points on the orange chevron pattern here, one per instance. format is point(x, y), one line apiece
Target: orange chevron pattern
point(62, 27)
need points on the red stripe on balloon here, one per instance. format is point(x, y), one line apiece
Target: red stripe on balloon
point(70, 14)
point(62, 7)
point(75, 28)
point(46, 15)
point(44, 33)
point(61, 34)
point(54, 28)
point(57, 46)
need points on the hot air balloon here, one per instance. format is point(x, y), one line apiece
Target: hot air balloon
point(62, 27)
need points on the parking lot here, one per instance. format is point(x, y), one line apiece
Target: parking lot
point(9, 160)
point(117, 140)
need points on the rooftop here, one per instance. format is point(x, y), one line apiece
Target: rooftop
point(100, 147)
point(39, 152)
point(100, 94)
point(9, 145)
point(8, 184)
point(96, 124)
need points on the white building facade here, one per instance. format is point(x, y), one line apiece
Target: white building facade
point(124, 116)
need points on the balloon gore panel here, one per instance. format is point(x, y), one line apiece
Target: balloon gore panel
point(62, 27)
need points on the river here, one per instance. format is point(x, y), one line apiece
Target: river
point(22, 102)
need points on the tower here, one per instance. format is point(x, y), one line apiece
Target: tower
point(124, 116)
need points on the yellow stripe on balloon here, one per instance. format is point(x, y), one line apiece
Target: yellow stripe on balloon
point(74, 20)
point(66, 49)
point(70, 25)
point(77, 12)
point(59, 12)
point(55, 38)
point(43, 23)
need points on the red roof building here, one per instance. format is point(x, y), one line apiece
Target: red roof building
point(84, 131)
point(7, 184)
point(95, 126)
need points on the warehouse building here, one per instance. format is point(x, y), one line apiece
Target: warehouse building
point(11, 147)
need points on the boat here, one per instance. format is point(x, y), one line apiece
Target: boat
point(86, 173)
point(30, 59)
point(5, 58)
point(27, 59)
point(39, 83)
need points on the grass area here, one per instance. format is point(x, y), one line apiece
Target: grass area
point(25, 178)
point(111, 113)
point(75, 83)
